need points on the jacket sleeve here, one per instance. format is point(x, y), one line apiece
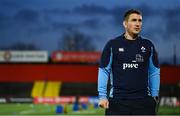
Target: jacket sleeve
point(104, 71)
point(154, 73)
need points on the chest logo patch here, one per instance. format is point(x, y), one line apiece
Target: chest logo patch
point(139, 58)
point(121, 49)
point(143, 49)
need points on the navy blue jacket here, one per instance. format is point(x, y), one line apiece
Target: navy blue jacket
point(132, 68)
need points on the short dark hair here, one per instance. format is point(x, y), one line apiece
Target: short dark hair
point(131, 11)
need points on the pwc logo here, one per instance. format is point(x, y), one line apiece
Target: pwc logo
point(130, 65)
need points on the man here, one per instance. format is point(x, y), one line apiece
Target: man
point(130, 61)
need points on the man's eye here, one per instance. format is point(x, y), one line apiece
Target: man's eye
point(134, 19)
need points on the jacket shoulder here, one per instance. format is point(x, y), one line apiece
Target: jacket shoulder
point(146, 41)
point(114, 40)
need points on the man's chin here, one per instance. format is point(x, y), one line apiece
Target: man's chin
point(136, 32)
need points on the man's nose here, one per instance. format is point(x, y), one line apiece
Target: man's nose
point(138, 23)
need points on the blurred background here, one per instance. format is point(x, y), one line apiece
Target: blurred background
point(50, 51)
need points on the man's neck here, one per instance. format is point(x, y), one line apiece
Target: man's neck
point(130, 36)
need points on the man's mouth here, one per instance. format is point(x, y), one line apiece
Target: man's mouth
point(137, 29)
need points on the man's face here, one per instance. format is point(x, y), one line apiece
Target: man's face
point(133, 24)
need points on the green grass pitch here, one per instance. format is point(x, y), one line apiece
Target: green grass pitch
point(46, 109)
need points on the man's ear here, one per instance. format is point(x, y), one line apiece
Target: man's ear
point(125, 24)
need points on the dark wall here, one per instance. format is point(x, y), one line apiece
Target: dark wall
point(69, 73)
point(53, 72)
